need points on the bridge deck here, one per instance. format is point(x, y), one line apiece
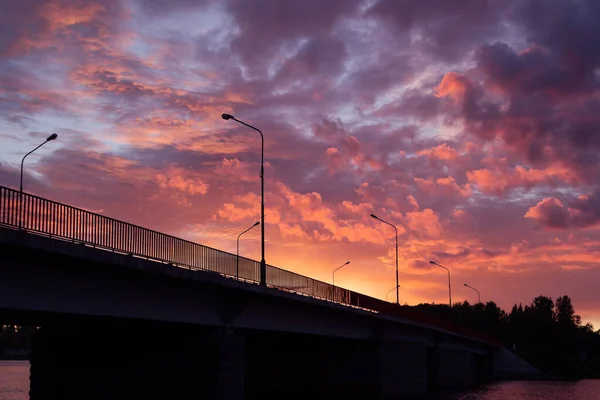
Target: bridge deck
point(39, 216)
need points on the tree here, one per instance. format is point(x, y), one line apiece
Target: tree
point(543, 309)
point(548, 335)
point(565, 313)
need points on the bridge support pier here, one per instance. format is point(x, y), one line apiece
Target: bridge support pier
point(129, 360)
point(453, 368)
point(402, 367)
point(299, 366)
point(136, 361)
point(230, 364)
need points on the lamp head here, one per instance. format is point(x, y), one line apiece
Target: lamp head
point(347, 262)
point(256, 223)
point(374, 216)
point(226, 116)
point(431, 262)
point(466, 284)
point(52, 137)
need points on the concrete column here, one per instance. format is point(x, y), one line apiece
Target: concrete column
point(282, 365)
point(230, 365)
point(456, 368)
point(402, 367)
point(41, 374)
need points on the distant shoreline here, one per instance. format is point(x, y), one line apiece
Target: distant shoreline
point(24, 358)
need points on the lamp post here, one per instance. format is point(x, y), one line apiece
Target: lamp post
point(263, 264)
point(333, 277)
point(49, 138)
point(449, 285)
point(237, 252)
point(478, 294)
point(390, 291)
point(396, 229)
point(333, 280)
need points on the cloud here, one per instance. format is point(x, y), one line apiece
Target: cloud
point(583, 211)
point(501, 178)
point(471, 125)
point(174, 178)
point(267, 24)
point(440, 152)
point(443, 187)
point(540, 101)
point(550, 212)
point(444, 29)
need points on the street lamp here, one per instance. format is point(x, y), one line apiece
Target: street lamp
point(237, 252)
point(263, 264)
point(49, 138)
point(396, 229)
point(449, 286)
point(478, 294)
point(390, 291)
point(333, 278)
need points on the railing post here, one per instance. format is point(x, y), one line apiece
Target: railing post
point(20, 211)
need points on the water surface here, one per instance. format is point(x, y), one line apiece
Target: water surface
point(14, 380)
point(14, 385)
point(528, 390)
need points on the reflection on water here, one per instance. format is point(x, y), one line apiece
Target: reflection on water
point(14, 380)
point(526, 390)
point(14, 385)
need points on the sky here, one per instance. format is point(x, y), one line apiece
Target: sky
point(472, 125)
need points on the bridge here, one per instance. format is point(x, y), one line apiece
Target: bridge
point(127, 312)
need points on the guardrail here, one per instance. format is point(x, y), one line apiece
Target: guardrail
point(60, 221)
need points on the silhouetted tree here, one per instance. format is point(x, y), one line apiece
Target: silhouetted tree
point(549, 335)
point(565, 313)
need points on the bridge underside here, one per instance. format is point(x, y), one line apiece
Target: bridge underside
point(116, 327)
point(149, 361)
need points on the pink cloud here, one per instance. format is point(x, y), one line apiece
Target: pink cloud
point(444, 187)
point(583, 211)
point(440, 152)
point(502, 178)
point(420, 112)
point(550, 212)
point(181, 180)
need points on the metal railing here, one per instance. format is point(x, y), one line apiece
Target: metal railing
point(63, 222)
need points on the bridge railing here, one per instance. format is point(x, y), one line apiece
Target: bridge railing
point(60, 221)
point(46, 217)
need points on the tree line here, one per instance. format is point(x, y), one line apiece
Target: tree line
point(547, 334)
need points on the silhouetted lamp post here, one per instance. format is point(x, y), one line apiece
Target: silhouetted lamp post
point(478, 294)
point(263, 264)
point(333, 280)
point(49, 138)
point(333, 277)
point(237, 252)
point(390, 291)
point(396, 229)
point(449, 285)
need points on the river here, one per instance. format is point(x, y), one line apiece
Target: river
point(14, 385)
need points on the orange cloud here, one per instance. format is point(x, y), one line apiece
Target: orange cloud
point(413, 202)
point(453, 85)
point(441, 152)
point(426, 221)
point(549, 211)
point(61, 15)
point(443, 187)
point(173, 179)
point(501, 178)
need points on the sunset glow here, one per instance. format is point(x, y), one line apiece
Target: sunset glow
point(473, 126)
